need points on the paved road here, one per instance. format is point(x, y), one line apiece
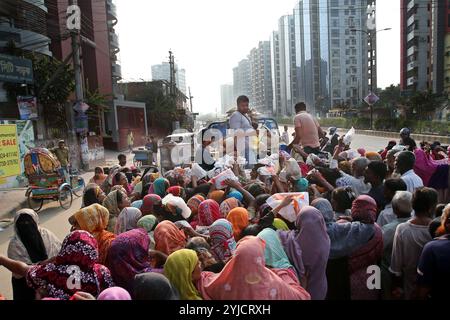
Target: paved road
point(54, 218)
point(369, 143)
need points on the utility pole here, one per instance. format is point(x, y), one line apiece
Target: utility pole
point(172, 73)
point(190, 100)
point(75, 34)
point(79, 96)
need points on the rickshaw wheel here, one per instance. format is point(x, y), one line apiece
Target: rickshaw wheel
point(79, 187)
point(65, 197)
point(34, 204)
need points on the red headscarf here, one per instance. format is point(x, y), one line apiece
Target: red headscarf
point(149, 202)
point(364, 210)
point(208, 212)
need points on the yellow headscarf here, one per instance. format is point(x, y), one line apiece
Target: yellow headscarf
point(280, 224)
point(178, 269)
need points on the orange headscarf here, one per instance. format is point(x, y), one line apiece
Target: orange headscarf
point(245, 277)
point(94, 219)
point(168, 238)
point(239, 219)
point(217, 195)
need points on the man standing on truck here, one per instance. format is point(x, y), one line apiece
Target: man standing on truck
point(243, 127)
point(307, 130)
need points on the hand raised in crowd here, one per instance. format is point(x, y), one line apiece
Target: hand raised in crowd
point(232, 183)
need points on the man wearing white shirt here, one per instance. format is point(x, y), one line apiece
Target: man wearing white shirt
point(404, 164)
point(285, 136)
point(244, 127)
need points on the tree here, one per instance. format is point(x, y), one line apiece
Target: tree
point(424, 103)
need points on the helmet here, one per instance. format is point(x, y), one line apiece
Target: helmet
point(405, 132)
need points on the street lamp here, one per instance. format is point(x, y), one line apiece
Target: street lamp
point(369, 35)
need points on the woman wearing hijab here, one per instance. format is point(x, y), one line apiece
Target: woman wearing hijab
point(308, 247)
point(217, 195)
point(93, 194)
point(177, 191)
point(208, 212)
point(149, 223)
point(160, 187)
point(193, 204)
point(127, 220)
point(245, 277)
point(120, 179)
point(114, 293)
point(129, 256)
point(78, 254)
point(94, 219)
point(115, 202)
point(151, 204)
point(239, 219)
point(182, 268)
point(236, 195)
point(222, 241)
point(229, 204)
point(154, 286)
point(31, 244)
point(108, 183)
point(325, 208)
point(280, 225)
point(168, 237)
point(364, 210)
point(274, 254)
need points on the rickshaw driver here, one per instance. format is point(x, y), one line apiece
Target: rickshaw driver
point(62, 154)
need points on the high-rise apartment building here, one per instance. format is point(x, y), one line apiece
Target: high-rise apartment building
point(162, 72)
point(261, 78)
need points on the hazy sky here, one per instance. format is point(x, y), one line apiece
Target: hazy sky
point(209, 37)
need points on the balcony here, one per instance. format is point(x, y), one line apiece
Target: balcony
point(412, 50)
point(411, 20)
point(116, 71)
point(411, 81)
point(112, 10)
point(114, 40)
point(412, 65)
point(410, 36)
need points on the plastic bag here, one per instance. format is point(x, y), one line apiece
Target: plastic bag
point(348, 138)
point(198, 171)
point(290, 213)
point(178, 203)
point(293, 169)
point(219, 180)
point(267, 171)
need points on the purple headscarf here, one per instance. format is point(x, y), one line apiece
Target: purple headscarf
point(425, 167)
point(128, 256)
point(308, 249)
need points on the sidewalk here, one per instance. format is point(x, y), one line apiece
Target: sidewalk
point(13, 200)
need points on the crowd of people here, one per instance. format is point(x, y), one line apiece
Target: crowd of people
point(178, 235)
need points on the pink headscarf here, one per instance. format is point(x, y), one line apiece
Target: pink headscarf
point(114, 293)
point(245, 277)
point(424, 166)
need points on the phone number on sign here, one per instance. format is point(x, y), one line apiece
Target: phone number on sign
point(227, 309)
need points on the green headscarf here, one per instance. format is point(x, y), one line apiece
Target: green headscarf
point(274, 253)
point(148, 222)
point(178, 269)
point(301, 185)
